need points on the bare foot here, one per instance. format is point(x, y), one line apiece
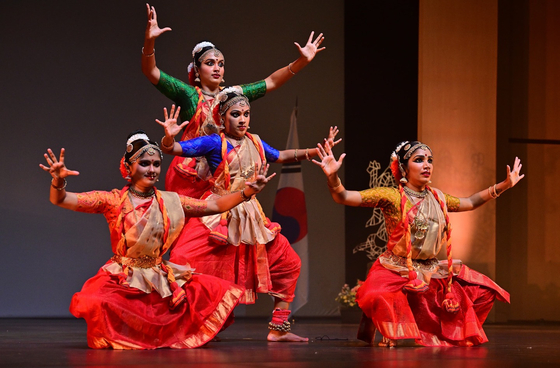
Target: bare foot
point(278, 336)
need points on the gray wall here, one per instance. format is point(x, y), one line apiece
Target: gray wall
point(71, 78)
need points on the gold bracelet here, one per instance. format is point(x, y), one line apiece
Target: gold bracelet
point(245, 198)
point(307, 154)
point(150, 55)
point(290, 69)
point(492, 191)
point(336, 186)
point(59, 188)
point(170, 147)
point(295, 155)
point(496, 191)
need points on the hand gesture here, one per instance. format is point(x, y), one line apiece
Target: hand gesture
point(170, 124)
point(311, 48)
point(261, 179)
point(152, 29)
point(513, 176)
point(329, 163)
point(333, 131)
point(56, 167)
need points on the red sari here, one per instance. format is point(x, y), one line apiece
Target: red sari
point(399, 314)
point(252, 254)
point(137, 300)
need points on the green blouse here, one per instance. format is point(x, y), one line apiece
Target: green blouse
point(185, 95)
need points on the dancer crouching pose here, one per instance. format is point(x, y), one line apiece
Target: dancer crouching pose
point(409, 293)
point(137, 300)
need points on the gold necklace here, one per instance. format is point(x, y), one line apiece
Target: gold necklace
point(414, 193)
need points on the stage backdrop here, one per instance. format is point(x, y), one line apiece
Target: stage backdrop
point(71, 78)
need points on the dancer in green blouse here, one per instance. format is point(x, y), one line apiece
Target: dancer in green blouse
point(188, 176)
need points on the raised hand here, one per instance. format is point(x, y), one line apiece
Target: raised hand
point(57, 168)
point(311, 48)
point(152, 28)
point(333, 131)
point(329, 163)
point(261, 179)
point(513, 176)
point(170, 124)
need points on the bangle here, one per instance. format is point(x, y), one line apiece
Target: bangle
point(150, 55)
point(336, 186)
point(492, 191)
point(244, 196)
point(290, 69)
point(307, 154)
point(496, 191)
point(170, 147)
point(295, 155)
point(59, 188)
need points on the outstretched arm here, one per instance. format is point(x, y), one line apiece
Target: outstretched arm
point(153, 31)
point(306, 55)
point(299, 154)
point(478, 199)
point(330, 167)
point(231, 200)
point(58, 194)
point(168, 144)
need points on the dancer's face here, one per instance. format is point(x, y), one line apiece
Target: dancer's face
point(236, 119)
point(420, 169)
point(211, 69)
point(145, 171)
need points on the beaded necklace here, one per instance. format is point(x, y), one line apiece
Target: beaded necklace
point(142, 195)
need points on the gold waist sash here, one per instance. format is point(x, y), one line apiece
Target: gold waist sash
point(140, 262)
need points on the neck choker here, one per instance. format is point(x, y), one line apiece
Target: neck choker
point(414, 193)
point(209, 94)
point(139, 194)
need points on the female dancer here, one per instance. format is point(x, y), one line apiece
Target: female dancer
point(241, 245)
point(408, 293)
point(189, 176)
point(137, 300)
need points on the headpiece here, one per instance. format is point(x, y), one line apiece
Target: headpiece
point(203, 48)
point(137, 144)
point(400, 156)
point(229, 97)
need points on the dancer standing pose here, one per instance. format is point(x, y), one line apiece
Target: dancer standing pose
point(189, 176)
point(240, 245)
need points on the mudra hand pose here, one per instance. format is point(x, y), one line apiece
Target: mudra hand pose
point(241, 246)
point(137, 300)
point(409, 293)
point(186, 175)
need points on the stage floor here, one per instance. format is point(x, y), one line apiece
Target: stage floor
point(62, 343)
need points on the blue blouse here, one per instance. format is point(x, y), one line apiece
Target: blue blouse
point(210, 146)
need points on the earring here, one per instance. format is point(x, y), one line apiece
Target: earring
point(223, 80)
point(196, 79)
point(403, 174)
